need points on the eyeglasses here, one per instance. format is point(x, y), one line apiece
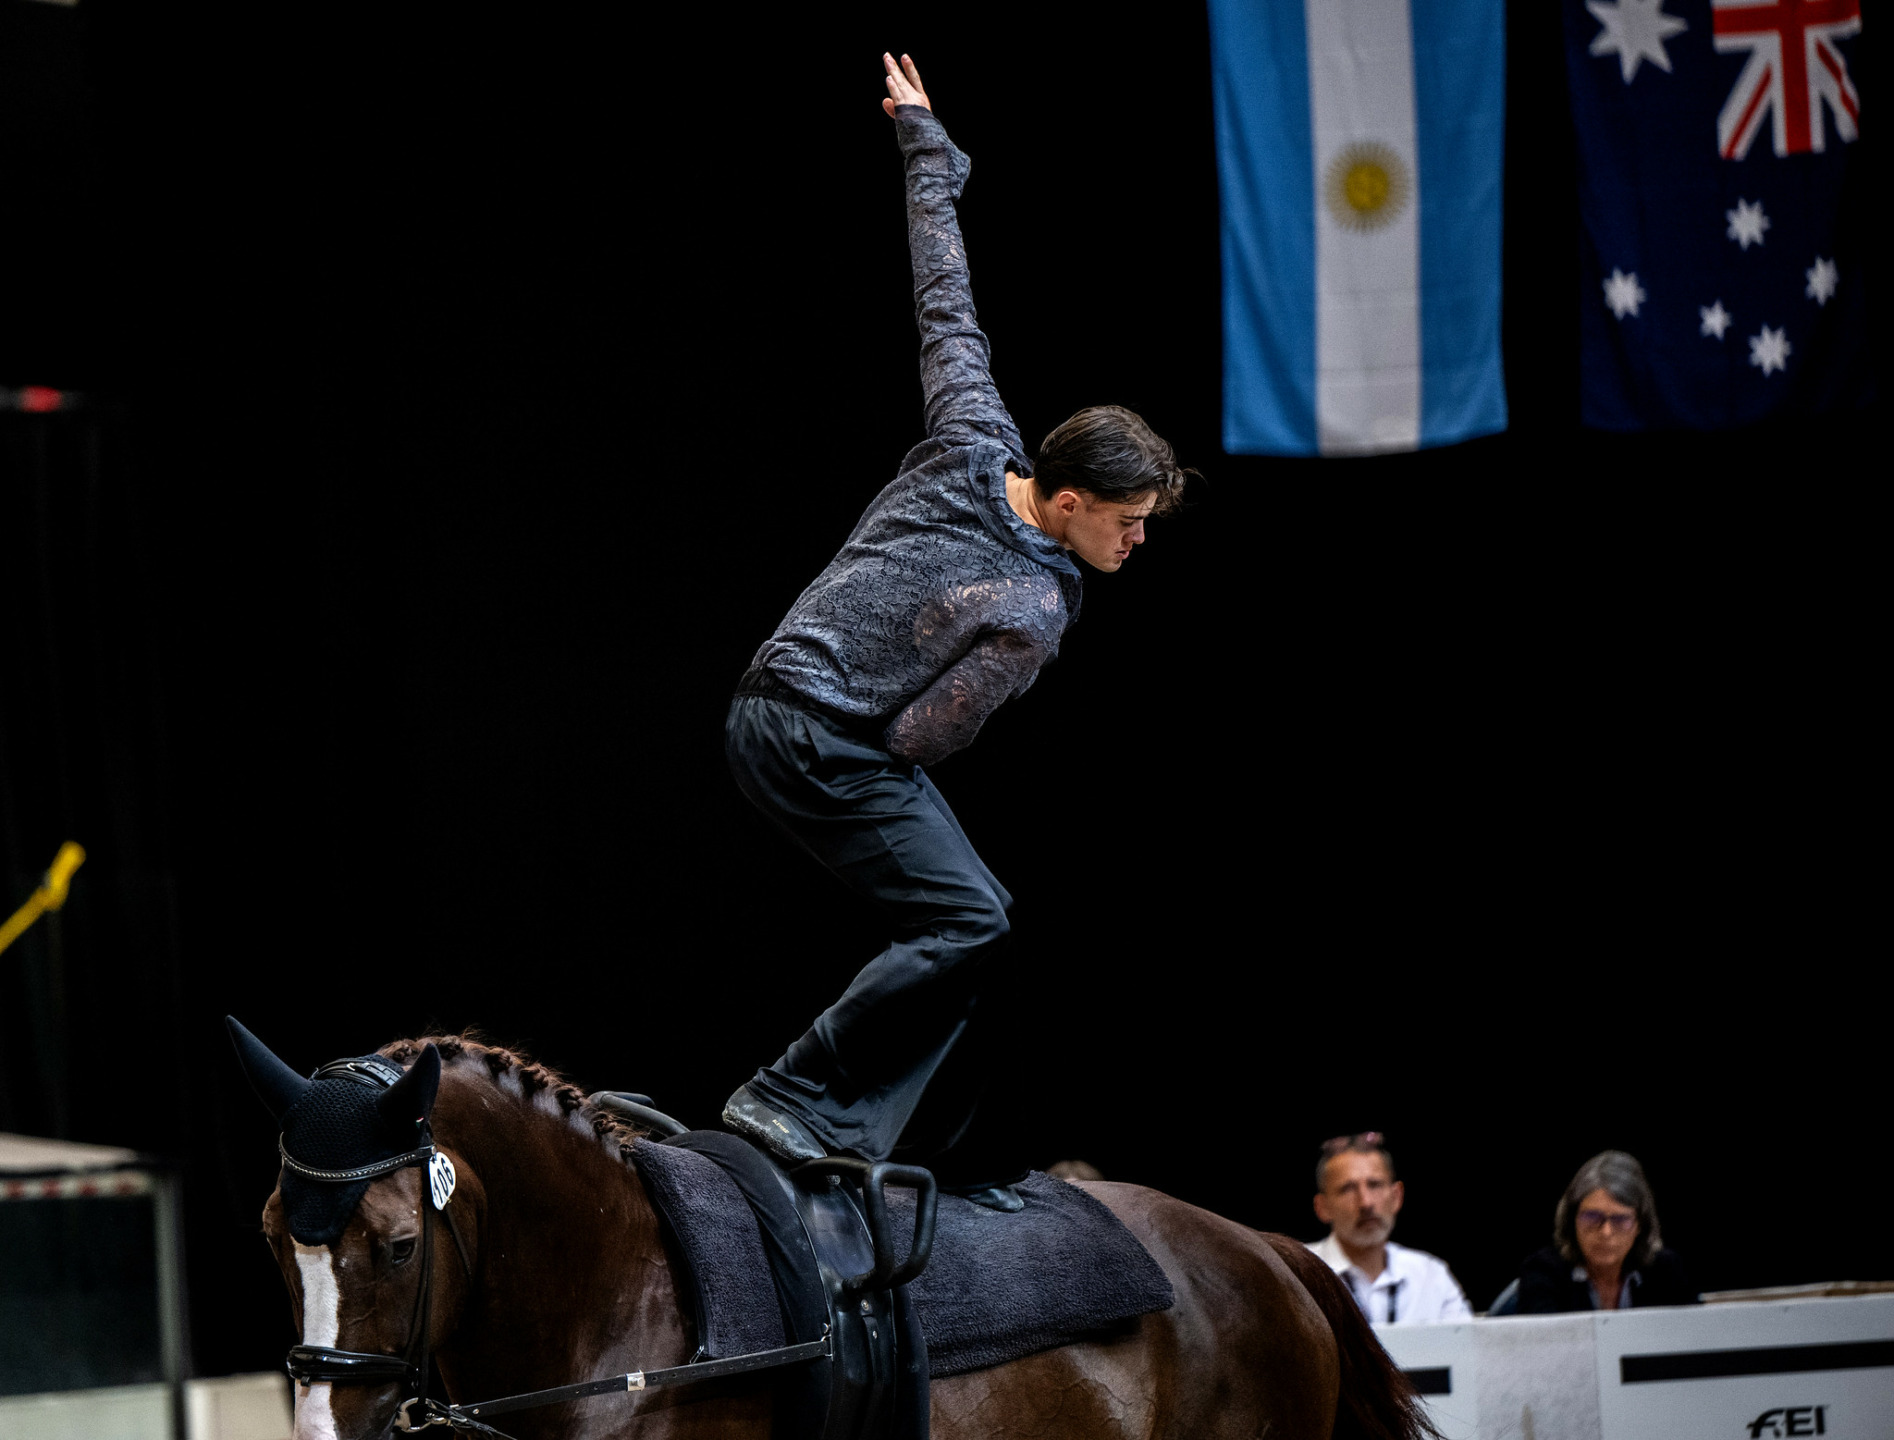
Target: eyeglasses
point(1617, 1224)
point(1342, 1144)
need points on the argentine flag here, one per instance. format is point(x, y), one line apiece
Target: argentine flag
point(1358, 157)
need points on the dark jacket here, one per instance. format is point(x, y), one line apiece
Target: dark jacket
point(1547, 1286)
point(943, 603)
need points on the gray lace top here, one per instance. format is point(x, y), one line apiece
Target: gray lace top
point(944, 603)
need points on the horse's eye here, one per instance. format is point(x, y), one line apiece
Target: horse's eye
point(402, 1251)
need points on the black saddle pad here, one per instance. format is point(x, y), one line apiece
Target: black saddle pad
point(998, 1286)
point(726, 1267)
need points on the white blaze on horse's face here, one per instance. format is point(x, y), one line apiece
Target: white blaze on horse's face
point(359, 1293)
point(322, 1323)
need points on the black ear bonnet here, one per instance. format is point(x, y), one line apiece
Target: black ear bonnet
point(351, 1113)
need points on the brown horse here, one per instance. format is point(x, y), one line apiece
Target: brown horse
point(565, 1279)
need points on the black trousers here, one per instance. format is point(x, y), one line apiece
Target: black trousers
point(858, 1076)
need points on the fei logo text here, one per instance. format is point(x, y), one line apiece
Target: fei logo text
point(1796, 1420)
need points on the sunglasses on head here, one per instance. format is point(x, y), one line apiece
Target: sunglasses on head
point(1342, 1144)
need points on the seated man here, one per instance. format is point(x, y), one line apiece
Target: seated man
point(1357, 1197)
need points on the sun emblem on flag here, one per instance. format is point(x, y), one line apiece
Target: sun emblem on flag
point(1366, 186)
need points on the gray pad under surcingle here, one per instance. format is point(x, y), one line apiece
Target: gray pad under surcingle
point(1000, 1287)
point(722, 1249)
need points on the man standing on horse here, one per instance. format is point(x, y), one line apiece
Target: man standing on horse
point(950, 595)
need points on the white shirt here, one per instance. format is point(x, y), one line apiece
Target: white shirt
point(1415, 1289)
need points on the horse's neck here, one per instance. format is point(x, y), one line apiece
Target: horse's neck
point(571, 1281)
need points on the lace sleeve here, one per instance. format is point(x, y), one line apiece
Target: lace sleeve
point(947, 715)
point(962, 405)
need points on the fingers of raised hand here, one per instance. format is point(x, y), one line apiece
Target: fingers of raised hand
point(896, 81)
point(904, 84)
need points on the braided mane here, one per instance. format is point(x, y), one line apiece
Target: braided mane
point(533, 1079)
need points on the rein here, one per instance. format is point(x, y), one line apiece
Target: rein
point(410, 1369)
point(461, 1416)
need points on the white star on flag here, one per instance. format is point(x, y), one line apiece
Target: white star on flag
point(1747, 222)
point(1823, 277)
point(1623, 293)
point(1770, 350)
point(1635, 31)
point(1715, 319)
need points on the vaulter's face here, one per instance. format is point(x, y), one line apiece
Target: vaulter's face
point(1103, 532)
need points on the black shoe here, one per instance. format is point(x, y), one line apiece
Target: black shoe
point(785, 1137)
point(994, 1197)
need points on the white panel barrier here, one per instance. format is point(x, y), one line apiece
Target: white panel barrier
point(1444, 1361)
point(1763, 1371)
point(236, 1407)
point(239, 1407)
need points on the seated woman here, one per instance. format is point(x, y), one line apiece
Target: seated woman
point(1607, 1252)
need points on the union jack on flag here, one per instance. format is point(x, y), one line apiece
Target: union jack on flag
point(1793, 70)
point(1719, 286)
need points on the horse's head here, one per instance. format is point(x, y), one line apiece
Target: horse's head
point(359, 1255)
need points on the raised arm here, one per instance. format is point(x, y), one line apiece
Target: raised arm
point(962, 405)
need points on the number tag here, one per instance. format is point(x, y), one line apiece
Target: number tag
point(440, 1179)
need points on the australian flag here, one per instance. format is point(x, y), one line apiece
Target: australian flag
point(1722, 279)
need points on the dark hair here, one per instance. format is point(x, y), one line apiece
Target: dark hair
point(1621, 1177)
point(1109, 452)
point(1367, 1142)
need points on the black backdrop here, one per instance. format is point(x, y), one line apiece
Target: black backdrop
point(471, 398)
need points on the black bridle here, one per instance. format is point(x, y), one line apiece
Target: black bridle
point(411, 1368)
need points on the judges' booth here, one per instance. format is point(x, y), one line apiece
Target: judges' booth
point(91, 1285)
point(1765, 1369)
point(92, 1339)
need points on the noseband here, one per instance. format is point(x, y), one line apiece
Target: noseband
point(309, 1363)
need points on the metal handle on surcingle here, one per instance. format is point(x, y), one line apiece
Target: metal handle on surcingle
point(50, 895)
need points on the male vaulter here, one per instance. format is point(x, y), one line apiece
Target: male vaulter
point(949, 596)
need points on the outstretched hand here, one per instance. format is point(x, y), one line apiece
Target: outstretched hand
point(904, 84)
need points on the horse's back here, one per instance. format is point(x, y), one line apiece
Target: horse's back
point(1244, 1352)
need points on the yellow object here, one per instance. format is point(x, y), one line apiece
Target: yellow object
point(1366, 187)
point(51, 894)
